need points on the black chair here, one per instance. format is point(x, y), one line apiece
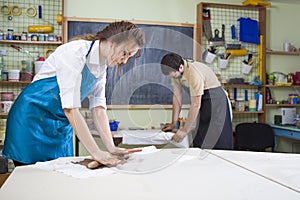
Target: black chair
point(254, 137)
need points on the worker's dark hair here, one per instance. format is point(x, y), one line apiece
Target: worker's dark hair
point(118, 32)
point(170, 62)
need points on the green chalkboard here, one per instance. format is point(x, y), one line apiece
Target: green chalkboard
point(141, 81)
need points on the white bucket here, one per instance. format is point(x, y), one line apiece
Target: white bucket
point(37, 66)
point(208, 56)
point(13, 75)
point(246, 68)
point(222, 63)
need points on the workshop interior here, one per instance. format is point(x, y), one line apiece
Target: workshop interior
point(253, 48)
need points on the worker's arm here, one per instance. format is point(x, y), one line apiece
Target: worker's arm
point(190, 120)
point(101, 123)
point(177, 102)
point(82, 131)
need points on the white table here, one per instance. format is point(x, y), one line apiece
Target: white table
point(231, 175)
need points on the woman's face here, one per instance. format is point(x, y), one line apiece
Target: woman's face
point(120, 53)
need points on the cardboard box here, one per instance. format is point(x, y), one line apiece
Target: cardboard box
point(288, 115)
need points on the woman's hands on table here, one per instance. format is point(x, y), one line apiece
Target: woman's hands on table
point(117, 156)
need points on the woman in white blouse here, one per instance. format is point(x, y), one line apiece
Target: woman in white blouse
point(41, 121)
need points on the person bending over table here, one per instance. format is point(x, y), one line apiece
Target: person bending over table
point(41, 121)
point(209, 103)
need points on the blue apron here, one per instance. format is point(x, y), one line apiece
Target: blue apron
point(37, 128)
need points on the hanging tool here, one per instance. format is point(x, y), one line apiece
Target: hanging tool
point(260, 52)
point(234, 44)
point(217, 40)
point(41, 28)
point(40, 11)
point(24, 51)
point(206, 24)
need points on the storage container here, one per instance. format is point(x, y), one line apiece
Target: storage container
point(13, 75)
point(7, 96)
point(37, 66)
point(26, 76)
point(240, 105)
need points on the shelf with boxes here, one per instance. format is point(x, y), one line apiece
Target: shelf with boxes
point(288, 100)
point(31, 42)
point(19, 64)
point(246, 103)
point(283, 86)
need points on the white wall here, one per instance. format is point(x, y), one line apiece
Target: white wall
point(181, 11)
point(282, 25)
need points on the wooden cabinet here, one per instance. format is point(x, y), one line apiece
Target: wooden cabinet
point(220, 21)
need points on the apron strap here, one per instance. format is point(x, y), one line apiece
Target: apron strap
point(90, 48)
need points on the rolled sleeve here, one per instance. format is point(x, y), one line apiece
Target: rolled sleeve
point(97, 96)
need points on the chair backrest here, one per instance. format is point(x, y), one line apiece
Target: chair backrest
point(254, 136)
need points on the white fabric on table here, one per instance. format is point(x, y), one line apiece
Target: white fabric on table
point(150, 159)
point(66, 166)
point(152, 137)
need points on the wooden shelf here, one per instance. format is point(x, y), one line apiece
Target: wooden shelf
point(136, 107)
point(282, 105)
point(30, 42)
point(14, 82)
point(241, 85)
point(283, 86)
point(275, 52)
point(248, 112)
point(3, 115)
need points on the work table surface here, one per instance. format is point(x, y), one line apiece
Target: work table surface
point(207, 174)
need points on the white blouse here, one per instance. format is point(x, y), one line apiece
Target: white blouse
point(66, 63)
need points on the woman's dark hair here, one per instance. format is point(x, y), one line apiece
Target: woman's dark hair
point(118, 32)
point(170, 62)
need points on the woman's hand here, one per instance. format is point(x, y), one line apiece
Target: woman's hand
point(118, 156)
point(107, 158)
point(118, 151)
point(179, 135)
point(168, 127)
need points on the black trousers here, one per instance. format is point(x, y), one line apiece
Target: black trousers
point(214, 127)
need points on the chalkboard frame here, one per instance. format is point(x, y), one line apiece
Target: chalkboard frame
point(69, 20)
